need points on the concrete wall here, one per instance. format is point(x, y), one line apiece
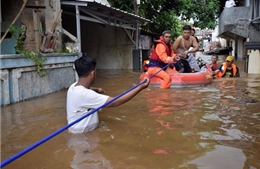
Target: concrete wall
point(20, 81)
point(110, 46)
point(233, 20)
point(254, 34)
point(240, 48)
point(235, 25)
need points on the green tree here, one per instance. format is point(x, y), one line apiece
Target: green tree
point(171, 14)
point(203, 12)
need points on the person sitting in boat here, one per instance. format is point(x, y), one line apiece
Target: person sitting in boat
point(227, 69)
point(214, 65)
point(201, 62)
point(145, 64)
point(193, 34)
point(160, 57)
point(186, 45)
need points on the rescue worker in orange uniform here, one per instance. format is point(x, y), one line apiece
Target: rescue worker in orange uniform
point(227, 69)
point(160, 57)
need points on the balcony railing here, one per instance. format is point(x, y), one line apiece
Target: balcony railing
point(235, 21)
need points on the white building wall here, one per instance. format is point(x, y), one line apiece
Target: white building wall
point(233, 46)
point(223, 42)
point(254, 62)
point(213, 37)
point(246, 2)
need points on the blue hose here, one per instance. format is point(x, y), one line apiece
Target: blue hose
point(26, 150)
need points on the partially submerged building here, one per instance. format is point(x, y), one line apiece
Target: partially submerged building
point(240, 26)
point(59, 30)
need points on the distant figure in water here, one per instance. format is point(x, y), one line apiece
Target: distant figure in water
point(227, 69)
point(214, 65)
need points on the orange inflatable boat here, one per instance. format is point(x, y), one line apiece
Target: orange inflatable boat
point(180, 80)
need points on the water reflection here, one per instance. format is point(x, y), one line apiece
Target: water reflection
point(214, 126)
point(220, 157)
point(163, 105)
point(86, 156)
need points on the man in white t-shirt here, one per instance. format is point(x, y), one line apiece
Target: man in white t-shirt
point(82, 98)
point(230, 3)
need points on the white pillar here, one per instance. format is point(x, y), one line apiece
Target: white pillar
point(254, 62)
point(240, 48)
point(16, 74)
point(78, 28)
point(234, 47)
point(5, 95)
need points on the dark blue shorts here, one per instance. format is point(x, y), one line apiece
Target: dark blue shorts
point(178, 65)
point(182, 63)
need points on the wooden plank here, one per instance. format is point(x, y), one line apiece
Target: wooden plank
point(47, 39)
point(36, 24)
point(24, 3)
point(35, 6)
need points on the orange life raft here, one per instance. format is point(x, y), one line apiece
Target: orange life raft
point(179, 80)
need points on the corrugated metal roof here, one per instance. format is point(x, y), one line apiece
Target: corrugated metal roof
point(93, 11)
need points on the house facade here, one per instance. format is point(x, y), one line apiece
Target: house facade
point(52, 27)
point(240, 26)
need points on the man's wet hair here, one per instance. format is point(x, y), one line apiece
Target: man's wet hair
point(167, 31)
point(215, 56)
point(84, 65)
point(186, 27)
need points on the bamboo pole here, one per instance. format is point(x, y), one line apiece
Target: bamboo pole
point(24, 3)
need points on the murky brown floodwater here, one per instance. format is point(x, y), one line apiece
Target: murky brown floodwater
point(212, 127)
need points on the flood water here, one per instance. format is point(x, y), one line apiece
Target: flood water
point(210, 127)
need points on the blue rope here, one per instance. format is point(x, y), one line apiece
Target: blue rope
point(26, 150)
point(175, 59)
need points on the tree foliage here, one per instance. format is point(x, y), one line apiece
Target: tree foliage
point(203, 12)
point(170, 14)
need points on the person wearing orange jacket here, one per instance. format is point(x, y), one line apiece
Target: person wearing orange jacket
point(227, 69)
point(161, 55)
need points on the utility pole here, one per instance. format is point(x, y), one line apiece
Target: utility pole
point(136, 6)
point(136, 9)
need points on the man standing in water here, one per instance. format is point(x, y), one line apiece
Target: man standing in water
point(182, 46)
point(82, 98)
point(227, 69)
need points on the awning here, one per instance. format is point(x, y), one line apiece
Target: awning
point(256, 23)
point(93, 11)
